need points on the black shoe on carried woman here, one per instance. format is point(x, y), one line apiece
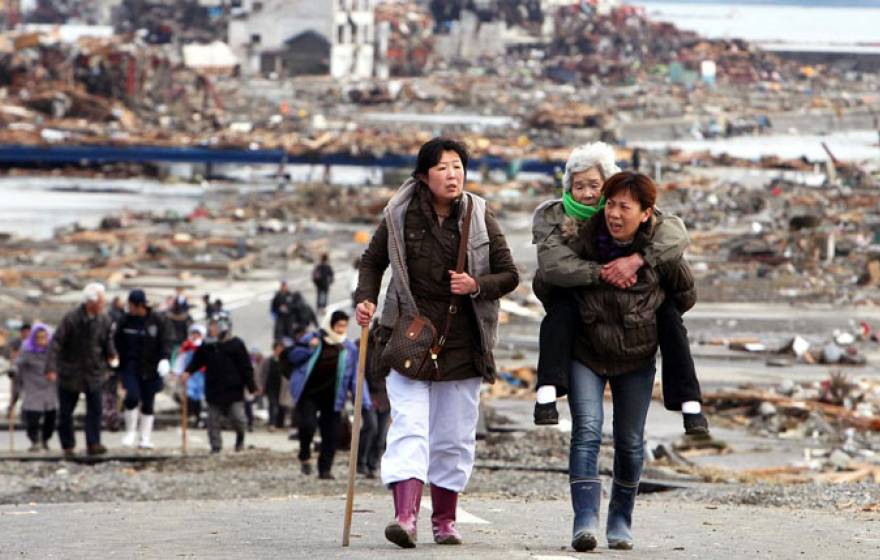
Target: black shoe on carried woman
point(696, 425)
point(546, 414)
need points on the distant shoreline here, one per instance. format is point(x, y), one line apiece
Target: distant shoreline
point(768, 3)
point(854, 23)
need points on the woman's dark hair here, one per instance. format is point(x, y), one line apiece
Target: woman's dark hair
point(337, 316)
point(639, 186)
point(432, 150)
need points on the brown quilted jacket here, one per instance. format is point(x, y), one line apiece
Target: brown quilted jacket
point(618, 329)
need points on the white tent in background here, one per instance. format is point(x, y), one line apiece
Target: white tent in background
point(214, 57)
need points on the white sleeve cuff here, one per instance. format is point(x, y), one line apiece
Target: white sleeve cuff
point(475, 294)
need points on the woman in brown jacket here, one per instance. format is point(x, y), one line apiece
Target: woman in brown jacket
point(433, 432)
point(616, 344)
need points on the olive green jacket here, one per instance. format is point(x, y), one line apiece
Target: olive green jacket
point(559, 265)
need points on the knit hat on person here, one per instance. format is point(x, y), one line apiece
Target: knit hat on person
point(137, 297)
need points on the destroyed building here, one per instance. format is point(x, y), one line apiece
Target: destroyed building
point(468, 31)
point(10, 13)
point(300, 37)
point(404, 37)
point(167, 21)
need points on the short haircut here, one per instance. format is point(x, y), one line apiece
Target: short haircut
point(432, 150)
point(337, 316)
point(93, 292)
point(598, 154)
point(638, 185)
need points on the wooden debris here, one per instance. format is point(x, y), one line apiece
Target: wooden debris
point(753, 397)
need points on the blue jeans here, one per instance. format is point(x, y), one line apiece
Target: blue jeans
point(631, 395)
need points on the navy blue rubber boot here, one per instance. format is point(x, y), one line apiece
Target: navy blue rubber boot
point(586, 495)
point(620, 509)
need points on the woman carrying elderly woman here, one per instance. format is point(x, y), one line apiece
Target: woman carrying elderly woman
point(613, 281)
point(555, 224)
point(434, 401)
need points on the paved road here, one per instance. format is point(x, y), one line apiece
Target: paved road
point(311, 527)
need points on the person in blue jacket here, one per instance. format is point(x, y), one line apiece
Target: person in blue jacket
point(324, 373)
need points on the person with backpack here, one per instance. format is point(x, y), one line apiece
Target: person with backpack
point(324, 373)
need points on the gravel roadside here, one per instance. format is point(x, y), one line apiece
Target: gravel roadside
point(526, 466)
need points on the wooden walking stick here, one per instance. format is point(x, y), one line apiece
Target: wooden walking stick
point(355, 433)
point(184, 420)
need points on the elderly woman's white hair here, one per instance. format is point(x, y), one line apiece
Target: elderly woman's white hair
point(597, 154)
point(93, 292)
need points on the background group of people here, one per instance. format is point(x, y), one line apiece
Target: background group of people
point(90, 353)
point(313, 372)
point(140, 348)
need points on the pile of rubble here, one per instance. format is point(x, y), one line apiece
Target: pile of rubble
point(623, 46)
point(230, 233)
point(840, 414)
point(838, 399)
point(843, 347)
point(777, 239)
point(125, 90)
point(409, 37)
point(36, 273)
point(115, 91)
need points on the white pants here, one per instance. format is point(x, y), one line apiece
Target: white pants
point(433, 433)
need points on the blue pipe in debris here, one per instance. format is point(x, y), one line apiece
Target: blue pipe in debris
point(90, 155)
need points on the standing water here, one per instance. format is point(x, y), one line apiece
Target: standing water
point(34, 206)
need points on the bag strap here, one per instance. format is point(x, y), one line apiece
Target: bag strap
point(459, 268)
point(399, 266)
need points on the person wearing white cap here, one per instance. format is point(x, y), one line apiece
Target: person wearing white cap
point(80, 357)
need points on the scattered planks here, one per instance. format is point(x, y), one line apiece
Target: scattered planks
point(798, 474)
point(744, 397)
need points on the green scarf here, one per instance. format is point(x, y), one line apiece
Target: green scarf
point(578, 211)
